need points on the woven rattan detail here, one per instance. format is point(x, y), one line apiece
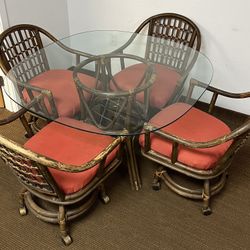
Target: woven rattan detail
point(28, 172)
point(170, 43)
point(24, 46)
point(173, 29)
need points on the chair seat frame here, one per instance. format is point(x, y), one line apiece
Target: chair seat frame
point(218, 173)
point(39, 185)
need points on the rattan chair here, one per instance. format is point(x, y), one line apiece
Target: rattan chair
point(61, 170)
point(22, 51)
point(171, 53)
point(197, 145)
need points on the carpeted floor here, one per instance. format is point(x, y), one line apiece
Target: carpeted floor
point(136, 220)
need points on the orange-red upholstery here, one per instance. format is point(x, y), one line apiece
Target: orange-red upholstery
point(62, 86)
point(70, 146)
point(196, 126)
point(163, 86)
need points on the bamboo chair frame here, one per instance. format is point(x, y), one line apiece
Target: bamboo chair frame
point(30, 44)
point(177, 39)
point(21, 50)
point(31, 169)
point(239, 135)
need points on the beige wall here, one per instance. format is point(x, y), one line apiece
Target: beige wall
point(224, 25)
point(51, 15)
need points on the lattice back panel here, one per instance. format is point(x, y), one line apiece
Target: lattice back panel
point(171, 41)
point(27, 171)
point(23, 45)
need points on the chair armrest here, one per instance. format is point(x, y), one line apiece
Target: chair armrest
point(78, 53)
point(39, 100)
point(20, 114)
point(13, 116)
point(244, 128)
point(67, 167)
point(125, 45)
point(195, 82)
point(216, 92)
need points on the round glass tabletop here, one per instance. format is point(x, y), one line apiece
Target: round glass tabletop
point(113, 82)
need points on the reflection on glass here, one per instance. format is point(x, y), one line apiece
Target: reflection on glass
point(112, 79)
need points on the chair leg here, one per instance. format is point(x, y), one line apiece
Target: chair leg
point(103, 195)
point(133, 169)
point(22, 208)
point(29, 133)
point(206, 210)
point(67, 240)
point(156, 184)
point(33, 123)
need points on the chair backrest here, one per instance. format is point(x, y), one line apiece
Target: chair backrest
point(175, 34)
point(30, 168)
point(21, 42)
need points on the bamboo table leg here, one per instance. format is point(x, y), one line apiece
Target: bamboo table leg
point(134, 176)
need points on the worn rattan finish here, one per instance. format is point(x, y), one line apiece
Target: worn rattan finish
point(20, 42)
point(173, 41)
point(177, 33)
point(170, 38)
point(213, 179)
point(40, 190)
point(24, 43)
point(21, 51)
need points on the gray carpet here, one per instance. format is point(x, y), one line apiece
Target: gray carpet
point(136, 220)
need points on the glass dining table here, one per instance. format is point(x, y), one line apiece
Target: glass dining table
point(121, 80)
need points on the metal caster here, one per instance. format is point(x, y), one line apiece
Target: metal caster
point(206, 211)
point(22, 211)
point(105, 199)
point(156, 185)
point(67, 240)
point(27, 136)
point(103, 196)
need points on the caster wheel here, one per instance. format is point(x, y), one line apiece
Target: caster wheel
point(26, 135)
point(156, 185)
point(22, 211)
point(105, 199)
point(67, 240)
point(206, 211)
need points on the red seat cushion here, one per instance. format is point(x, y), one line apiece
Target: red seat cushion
point(70, 146)
point(163, 86)
point(62, 86)
point(196, 126)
